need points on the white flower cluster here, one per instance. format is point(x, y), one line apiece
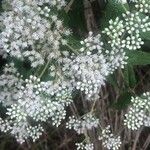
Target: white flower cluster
point(85, 146)
point(139, 112)
point(34, 57)
point(125, 34)
point(40, 107)
point(109, 140)
point(21, 130)
point(33, 31)
point(89, 69)
point(27, 34)
point(116, 56)
point(92, 44)
point(64, 95)
point(4, 125)
point(10, 83)
point(57, 3)
point(87, 122)
point(143, 6)
point(135, 22)
point(90, 72)
point(31, 100)
point(115, 31)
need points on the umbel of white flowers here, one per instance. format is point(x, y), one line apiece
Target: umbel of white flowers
point(85, 146)
point(90, 68)
point(141, 5)
point(87, 122)
point(29, 32)
point(109, 140)
point(31, 101)
point(139, 113)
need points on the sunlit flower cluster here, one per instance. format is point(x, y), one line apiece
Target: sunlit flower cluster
point(136, 23)
point(21, 129)
point(4, 125)
point(89, 72)
point(133, 24)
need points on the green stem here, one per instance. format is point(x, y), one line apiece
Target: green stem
point(72, 49)
point(43, 71)
point(124, 7)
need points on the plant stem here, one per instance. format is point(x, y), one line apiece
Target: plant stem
point(72, 49)
point(124, 7)
point(46, 66)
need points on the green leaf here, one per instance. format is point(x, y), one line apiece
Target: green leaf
point(145, 35)
point(123, 100)
point(138, 58)
point(76, 16)
point(132, 77)
point(112, 80)
point(129, 76)
point(126, 76)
